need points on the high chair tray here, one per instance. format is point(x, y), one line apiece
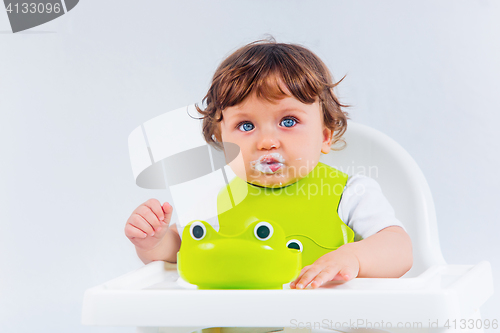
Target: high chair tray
point(154, 295)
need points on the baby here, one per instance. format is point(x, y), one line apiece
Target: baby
point(276, 102)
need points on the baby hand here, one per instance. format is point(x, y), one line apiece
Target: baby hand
point(148, 224)
point(340, 264)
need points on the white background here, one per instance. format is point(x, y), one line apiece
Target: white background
point(426, 73)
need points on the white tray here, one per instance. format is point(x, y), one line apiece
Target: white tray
point(154, 295)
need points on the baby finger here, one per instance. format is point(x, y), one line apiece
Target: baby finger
point(308, 276)
point(345, 274)
point(134, 232)
point(155, 207)
point(140, 222)
point(325, 275)
point(149, 216)
point(302, 271)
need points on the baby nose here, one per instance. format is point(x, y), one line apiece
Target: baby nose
point(268, 142)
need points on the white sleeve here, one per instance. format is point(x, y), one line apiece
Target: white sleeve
point(364, 208)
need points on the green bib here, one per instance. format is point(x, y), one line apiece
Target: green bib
point(306, 210)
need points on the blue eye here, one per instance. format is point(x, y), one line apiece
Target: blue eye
point(245, 127)
point(288, 122)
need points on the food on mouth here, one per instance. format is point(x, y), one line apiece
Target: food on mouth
point(269, 164)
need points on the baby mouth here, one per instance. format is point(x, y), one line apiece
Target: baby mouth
point(268, 164)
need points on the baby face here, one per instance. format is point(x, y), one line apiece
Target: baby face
point(280, 142)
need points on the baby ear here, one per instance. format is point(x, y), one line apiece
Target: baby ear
point(217, 134)
point(327, 140)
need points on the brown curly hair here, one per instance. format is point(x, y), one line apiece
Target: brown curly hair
point(260, 67)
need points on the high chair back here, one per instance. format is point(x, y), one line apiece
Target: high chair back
point(374, 154)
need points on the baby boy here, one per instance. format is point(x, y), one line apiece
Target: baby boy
point(276, 102)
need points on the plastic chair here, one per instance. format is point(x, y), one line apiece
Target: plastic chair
point(432, 296)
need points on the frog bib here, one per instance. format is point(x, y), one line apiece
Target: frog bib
point(306, 210)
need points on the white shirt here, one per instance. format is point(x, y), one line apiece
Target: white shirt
point(364, 208)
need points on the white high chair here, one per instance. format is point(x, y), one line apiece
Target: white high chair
point(432, 296)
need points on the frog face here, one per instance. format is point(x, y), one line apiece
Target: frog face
point(257, 258)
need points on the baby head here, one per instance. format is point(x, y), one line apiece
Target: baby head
point(275, 101)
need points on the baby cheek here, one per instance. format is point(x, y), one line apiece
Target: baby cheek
point(239, 167)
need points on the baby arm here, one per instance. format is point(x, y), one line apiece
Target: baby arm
point(148, 229)
point(388, 253)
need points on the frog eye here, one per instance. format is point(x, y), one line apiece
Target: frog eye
point(197, 230)
point(294, 244)
point(263, 231)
